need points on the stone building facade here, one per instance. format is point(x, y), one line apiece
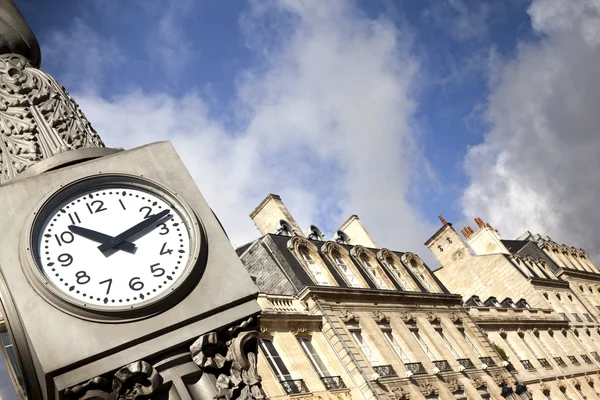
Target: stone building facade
point(535, 300)
point(344, 318)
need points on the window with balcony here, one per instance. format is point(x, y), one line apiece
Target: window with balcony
point(470, 343)
point(316, 269)
point(573, 360)
point(586, 359)
point(588, 317)
point(577, 317)
point(364, 345)
point(559, 361)
point(290, 385)
point(345, 269)
point(544, 363)
point(564, 316)
point(423, 344)
point(393, 341)
point(527, 364)
point(330, 382)
point(447, 343)
point(373, 272)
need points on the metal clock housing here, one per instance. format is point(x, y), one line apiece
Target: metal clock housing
point(115, 247)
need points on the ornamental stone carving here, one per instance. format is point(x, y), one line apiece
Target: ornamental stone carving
point(301, 331)
point(232, 357)
point(133, 381)
point(428, 389)
point(407, 317)
point(380, 317)
point(455, 317)
point(478, 382)
point(38, 118)
point(544, 388)
point(431, 317)
point(589, 380)
point(347, 316)
point(561, 386)
point(550, 332)
point(564, 331)
point(454, 385)
point(502, 333)
point(499, 379)
point(576, 383)
point(535, 332)
point(397, 393)
point(520, 332)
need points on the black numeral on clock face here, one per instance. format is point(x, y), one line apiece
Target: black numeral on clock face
point(82, 277)
point(164, 249)
point(74, 218)
point(65, 259)
point(109, 281)
point(156, 270)
point(122, 204)
point(163, 229)
point(148, 211)
point(136, 284)
point(65, 237)
point(95, 206)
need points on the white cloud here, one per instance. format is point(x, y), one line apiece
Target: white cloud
point(324, 119)
point(537, 167)
point(461, 19)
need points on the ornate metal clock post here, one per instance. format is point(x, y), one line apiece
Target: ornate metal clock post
point(115, 275)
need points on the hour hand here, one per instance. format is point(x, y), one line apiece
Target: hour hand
point(100, 237)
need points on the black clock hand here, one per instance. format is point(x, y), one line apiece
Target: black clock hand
point(100, 237)
point(112, 243)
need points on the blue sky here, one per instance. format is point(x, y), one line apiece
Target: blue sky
point(397, 111)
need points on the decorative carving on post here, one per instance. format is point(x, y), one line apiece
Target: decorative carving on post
point(397, 393)
point(347, 316)
point(407, 317)
point(38, 118)
point(502, 333)
point(478, 382)
point(454, 385)
point(576, 383)
point(427, 389)
point(379, 316)
point(431, 317)
point(499, 379)
point(455, 317)
point(550, 332)
point(544, 388)
point(301, 331)
point(520, 332)
point(135, 380)
point(535, 332)
point(232, 357)
point(589, 380)
point(561, 386)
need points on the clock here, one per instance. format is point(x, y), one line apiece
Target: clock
point(114, 243)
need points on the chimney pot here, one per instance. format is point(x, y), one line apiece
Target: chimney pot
point(443, 220)
point(479, 222)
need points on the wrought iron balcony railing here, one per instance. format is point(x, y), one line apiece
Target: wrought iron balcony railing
point(466, 362)
point(333, 382)
point(415, 368)
point(595, 355)
point(588, 317)
point(573, 360)
point(527, 364)
point(544, 363)
point(564, 316)
point(442, 365)
point(586, 359)
point(384, 370)
point(577, 317)
point(487, 361)
point(560, 361)
point(294, 386)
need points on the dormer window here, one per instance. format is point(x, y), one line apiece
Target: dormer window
point(373, 272)
point(398, 274)
point(492, 302)
point(314, 267)
point(508, 303)
point(474, 301)
point(345, 269)
point(523, 304)
point(418, 271)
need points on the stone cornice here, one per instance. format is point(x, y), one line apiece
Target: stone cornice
point(575, 273)
point(379, 296)
point(549, 283)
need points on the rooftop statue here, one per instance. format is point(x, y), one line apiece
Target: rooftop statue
point(38, 118)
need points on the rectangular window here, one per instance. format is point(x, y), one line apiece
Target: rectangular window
point(470, 342)
point(393, 341)
point(314, 357)
point(448, 344)
point(352, 280)
point(432, 356)
point(275, 361)
point(364, 345)
point(577, 317)
point(373, 273)
point(588, 317)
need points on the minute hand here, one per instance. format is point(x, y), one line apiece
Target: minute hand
point(104, 247)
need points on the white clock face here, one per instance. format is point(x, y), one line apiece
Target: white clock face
point(113, 246)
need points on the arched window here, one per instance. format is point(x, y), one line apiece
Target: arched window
point(345, 269)
point(420, 274)
point(315, 268)
point(373, 272)
point(404, 284)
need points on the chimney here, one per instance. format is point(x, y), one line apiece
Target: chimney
point(443, 220)
point(269, 212)
point(485, 240)
point(354, 228)
point(467, 231)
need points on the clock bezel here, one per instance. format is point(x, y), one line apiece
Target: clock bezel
point(189, 277)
